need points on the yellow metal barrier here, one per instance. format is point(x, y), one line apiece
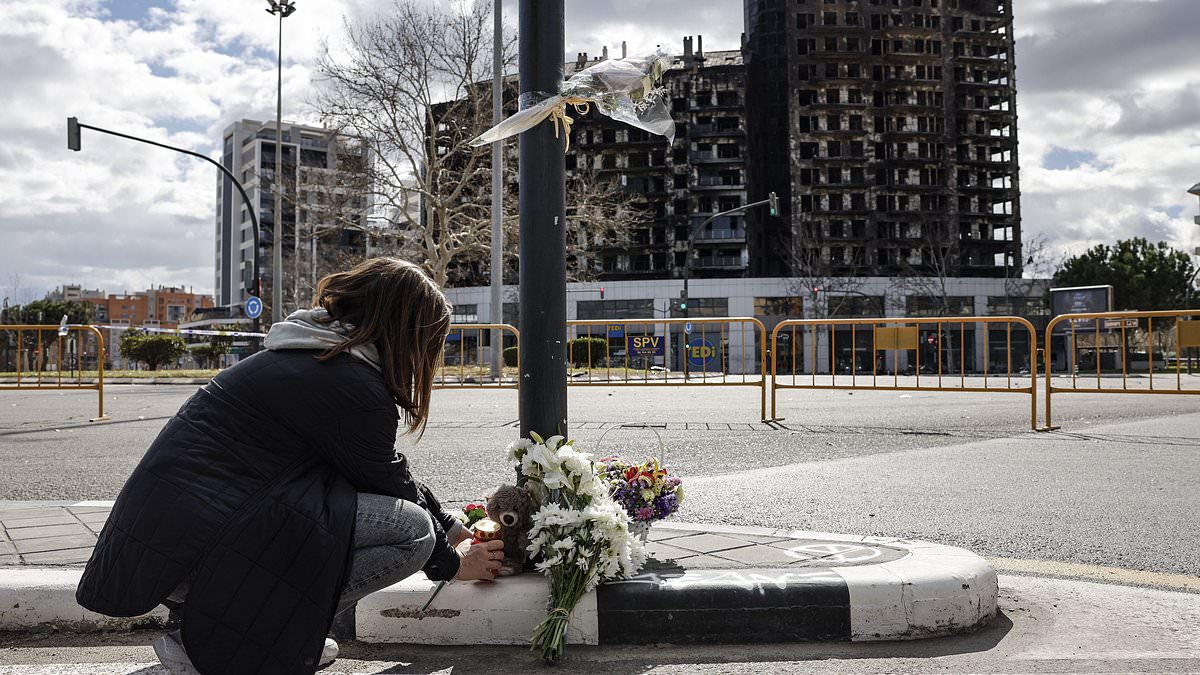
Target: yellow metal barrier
point(1091, 335)
point(871, 350)
point(30, 355)
point(464, 363)
point(708, 351)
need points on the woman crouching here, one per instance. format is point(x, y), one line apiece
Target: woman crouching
point(275, 499)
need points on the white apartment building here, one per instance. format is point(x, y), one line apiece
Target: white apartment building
point(324, 208)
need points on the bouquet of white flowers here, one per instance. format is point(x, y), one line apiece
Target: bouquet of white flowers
point(579, 533)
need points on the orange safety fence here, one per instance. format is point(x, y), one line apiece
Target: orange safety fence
point(705, 351)
point(906, 354)
point(32, 358)
point(1121, 353)
point(466, 361)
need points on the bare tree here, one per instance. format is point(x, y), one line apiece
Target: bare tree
point(829, 287)
point(331, 202)
point(930, 266)
point(411, 86)
point(407, 83)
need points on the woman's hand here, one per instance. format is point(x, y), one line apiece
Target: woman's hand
point(479, 561)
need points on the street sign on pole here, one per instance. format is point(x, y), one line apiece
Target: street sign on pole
point(687, 328)
point(253, 307)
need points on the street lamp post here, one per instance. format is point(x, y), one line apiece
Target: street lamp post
point(772, 201)
point(74, 142)
point(497, 270)
point(284, 9)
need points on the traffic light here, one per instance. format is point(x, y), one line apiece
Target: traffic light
point(601, 292)
point(683, 300)
point(773, 203)
point(73, 141)
point(815, 291)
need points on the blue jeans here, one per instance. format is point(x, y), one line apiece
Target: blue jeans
point(393, 540)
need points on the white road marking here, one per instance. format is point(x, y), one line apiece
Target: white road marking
point(1112, 575)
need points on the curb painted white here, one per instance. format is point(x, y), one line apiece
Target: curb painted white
point(935, 590)
point(39, 598)
point(501, 612)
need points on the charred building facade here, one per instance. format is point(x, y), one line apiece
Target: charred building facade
point(679, 185)
point(889, 130)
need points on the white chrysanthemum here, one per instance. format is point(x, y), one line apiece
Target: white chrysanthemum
point(517, 449)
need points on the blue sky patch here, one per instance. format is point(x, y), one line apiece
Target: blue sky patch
point(1064, 158)
point(1172, 212)
point(134, 10)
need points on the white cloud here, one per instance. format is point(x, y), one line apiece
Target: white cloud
point(1113, 79)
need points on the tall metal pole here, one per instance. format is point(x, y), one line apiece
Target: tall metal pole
point(283, 9)
point(497, 188)
point(543, 393)
point(277, 237)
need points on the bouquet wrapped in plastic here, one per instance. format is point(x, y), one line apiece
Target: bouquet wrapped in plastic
point(627, 90)
point(579, 533)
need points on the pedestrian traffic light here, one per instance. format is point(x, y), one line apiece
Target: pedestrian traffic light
point(773, 203)
point(73, 141)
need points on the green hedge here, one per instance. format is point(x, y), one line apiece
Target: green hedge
point(580, 349)
point(511, 356)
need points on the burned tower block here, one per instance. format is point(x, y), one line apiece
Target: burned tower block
point(891, 128)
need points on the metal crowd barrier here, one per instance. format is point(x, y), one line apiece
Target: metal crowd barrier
point(30, 365)
point(930, 353)
point(465, 361)
point(1091, 335)
point(709, 351)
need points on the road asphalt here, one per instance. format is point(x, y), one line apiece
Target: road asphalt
point(1045, 626)
point(1111, 497)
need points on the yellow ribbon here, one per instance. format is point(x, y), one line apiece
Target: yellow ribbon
point(558, 116)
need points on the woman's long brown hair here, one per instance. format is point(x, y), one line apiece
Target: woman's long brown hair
point(392, 304)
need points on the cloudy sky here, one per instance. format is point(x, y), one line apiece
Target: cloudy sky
point(1109, 104)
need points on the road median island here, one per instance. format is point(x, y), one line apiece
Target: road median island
point(703, 584)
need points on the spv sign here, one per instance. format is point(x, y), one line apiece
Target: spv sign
point(645, 345)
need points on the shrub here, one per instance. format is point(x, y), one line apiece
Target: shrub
point(153, 350)
point(511, 356)
point(580, 349)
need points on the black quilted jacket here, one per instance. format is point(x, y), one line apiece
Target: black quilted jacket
point(250, 490)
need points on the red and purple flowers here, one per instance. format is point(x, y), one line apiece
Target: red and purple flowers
point(646, 491)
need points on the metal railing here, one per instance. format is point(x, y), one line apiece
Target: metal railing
point(466, 359)
point(1088, 337)
point(30, 363)
point(710, 351)
point(930, 353)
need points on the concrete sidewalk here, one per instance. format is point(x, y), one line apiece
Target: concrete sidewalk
point(703, 584)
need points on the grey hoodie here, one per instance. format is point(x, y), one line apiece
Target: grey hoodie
point(307, 329)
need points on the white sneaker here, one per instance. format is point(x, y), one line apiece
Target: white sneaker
point(173, 656)
point(328, 654)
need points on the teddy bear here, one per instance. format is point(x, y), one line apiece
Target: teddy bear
point(512, 507)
